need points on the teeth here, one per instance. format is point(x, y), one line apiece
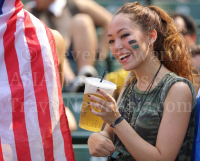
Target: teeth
point(123, 56)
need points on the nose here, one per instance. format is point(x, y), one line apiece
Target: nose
point(118, 44)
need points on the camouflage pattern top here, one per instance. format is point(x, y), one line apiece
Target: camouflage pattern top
point(146, 121)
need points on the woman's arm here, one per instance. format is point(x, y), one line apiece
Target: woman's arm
point(98, 141)
point(172, 129)
point(60, 48)
point(71, 119)
point(101, 144)
point(101, 17)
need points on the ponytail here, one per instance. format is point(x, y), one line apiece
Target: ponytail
point(169, 47)
point(176, 56)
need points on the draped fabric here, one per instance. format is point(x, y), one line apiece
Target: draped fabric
point(33, 123)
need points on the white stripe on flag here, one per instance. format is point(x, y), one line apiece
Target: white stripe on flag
point(52, 89)
point(6, 126)
point(8, 10)
point(30, 109)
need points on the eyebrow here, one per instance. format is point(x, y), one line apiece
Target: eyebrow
point(118, 31)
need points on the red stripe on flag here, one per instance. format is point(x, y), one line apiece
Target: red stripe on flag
point(40, 88)
point(17, 90)
point(1, 153)
point(63, 118)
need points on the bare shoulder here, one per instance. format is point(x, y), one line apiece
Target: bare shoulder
point(180, 88)
point(175, 120)
point(60, 48)
point(60, 44)
point(179, 94)
point(57, 35)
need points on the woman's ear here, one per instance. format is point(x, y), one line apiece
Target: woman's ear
point(152, 36)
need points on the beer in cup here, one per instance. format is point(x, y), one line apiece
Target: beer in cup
point(88, 120)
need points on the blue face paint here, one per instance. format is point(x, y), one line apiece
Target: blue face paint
point(132, 42)
point(135, 46)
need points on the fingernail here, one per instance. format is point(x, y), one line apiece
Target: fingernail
point(98, 89)
point(89, 95)
point(88, 102)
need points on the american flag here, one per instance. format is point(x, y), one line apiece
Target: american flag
point(33, 123)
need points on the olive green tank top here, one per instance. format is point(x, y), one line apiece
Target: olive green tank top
point(146, 119)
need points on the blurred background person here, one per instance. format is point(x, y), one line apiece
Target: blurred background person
point(76, 20)
point(187, 25)
point(195, 50)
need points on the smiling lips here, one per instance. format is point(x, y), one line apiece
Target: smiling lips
point(124, 56)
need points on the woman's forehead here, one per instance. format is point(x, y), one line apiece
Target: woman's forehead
point(121, 18)
point(121, 21)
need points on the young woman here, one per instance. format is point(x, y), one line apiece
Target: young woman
point(153, 119)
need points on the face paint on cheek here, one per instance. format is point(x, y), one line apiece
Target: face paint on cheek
point(132, 42)
point(136, 46)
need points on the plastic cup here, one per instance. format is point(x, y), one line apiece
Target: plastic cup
point(88, 120)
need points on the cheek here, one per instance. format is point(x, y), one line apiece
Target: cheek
point(112, 50)
point(111, 47)
point(133, 44)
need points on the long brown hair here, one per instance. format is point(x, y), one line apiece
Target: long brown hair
point(169, 46)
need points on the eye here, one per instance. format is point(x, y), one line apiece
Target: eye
point(125, 35)
point(110, 41)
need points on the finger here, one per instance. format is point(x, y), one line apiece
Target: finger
point(96, 105)
point(101, 154)
point(109, 150)
point(97, 99)
point(110, 146)
point(96, 113)
point(98, 153)
point(105, 152)
point(106, 95)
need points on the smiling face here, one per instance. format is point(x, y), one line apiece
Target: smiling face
point(128, 43)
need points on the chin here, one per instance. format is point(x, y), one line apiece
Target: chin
point(131, 66)
point(127, 68)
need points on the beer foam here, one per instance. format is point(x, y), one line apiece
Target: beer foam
point(93, 83)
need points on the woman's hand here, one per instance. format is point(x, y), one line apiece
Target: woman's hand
point(109, 111)
point(100, 146)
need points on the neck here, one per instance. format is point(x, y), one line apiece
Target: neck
point(146, 72)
